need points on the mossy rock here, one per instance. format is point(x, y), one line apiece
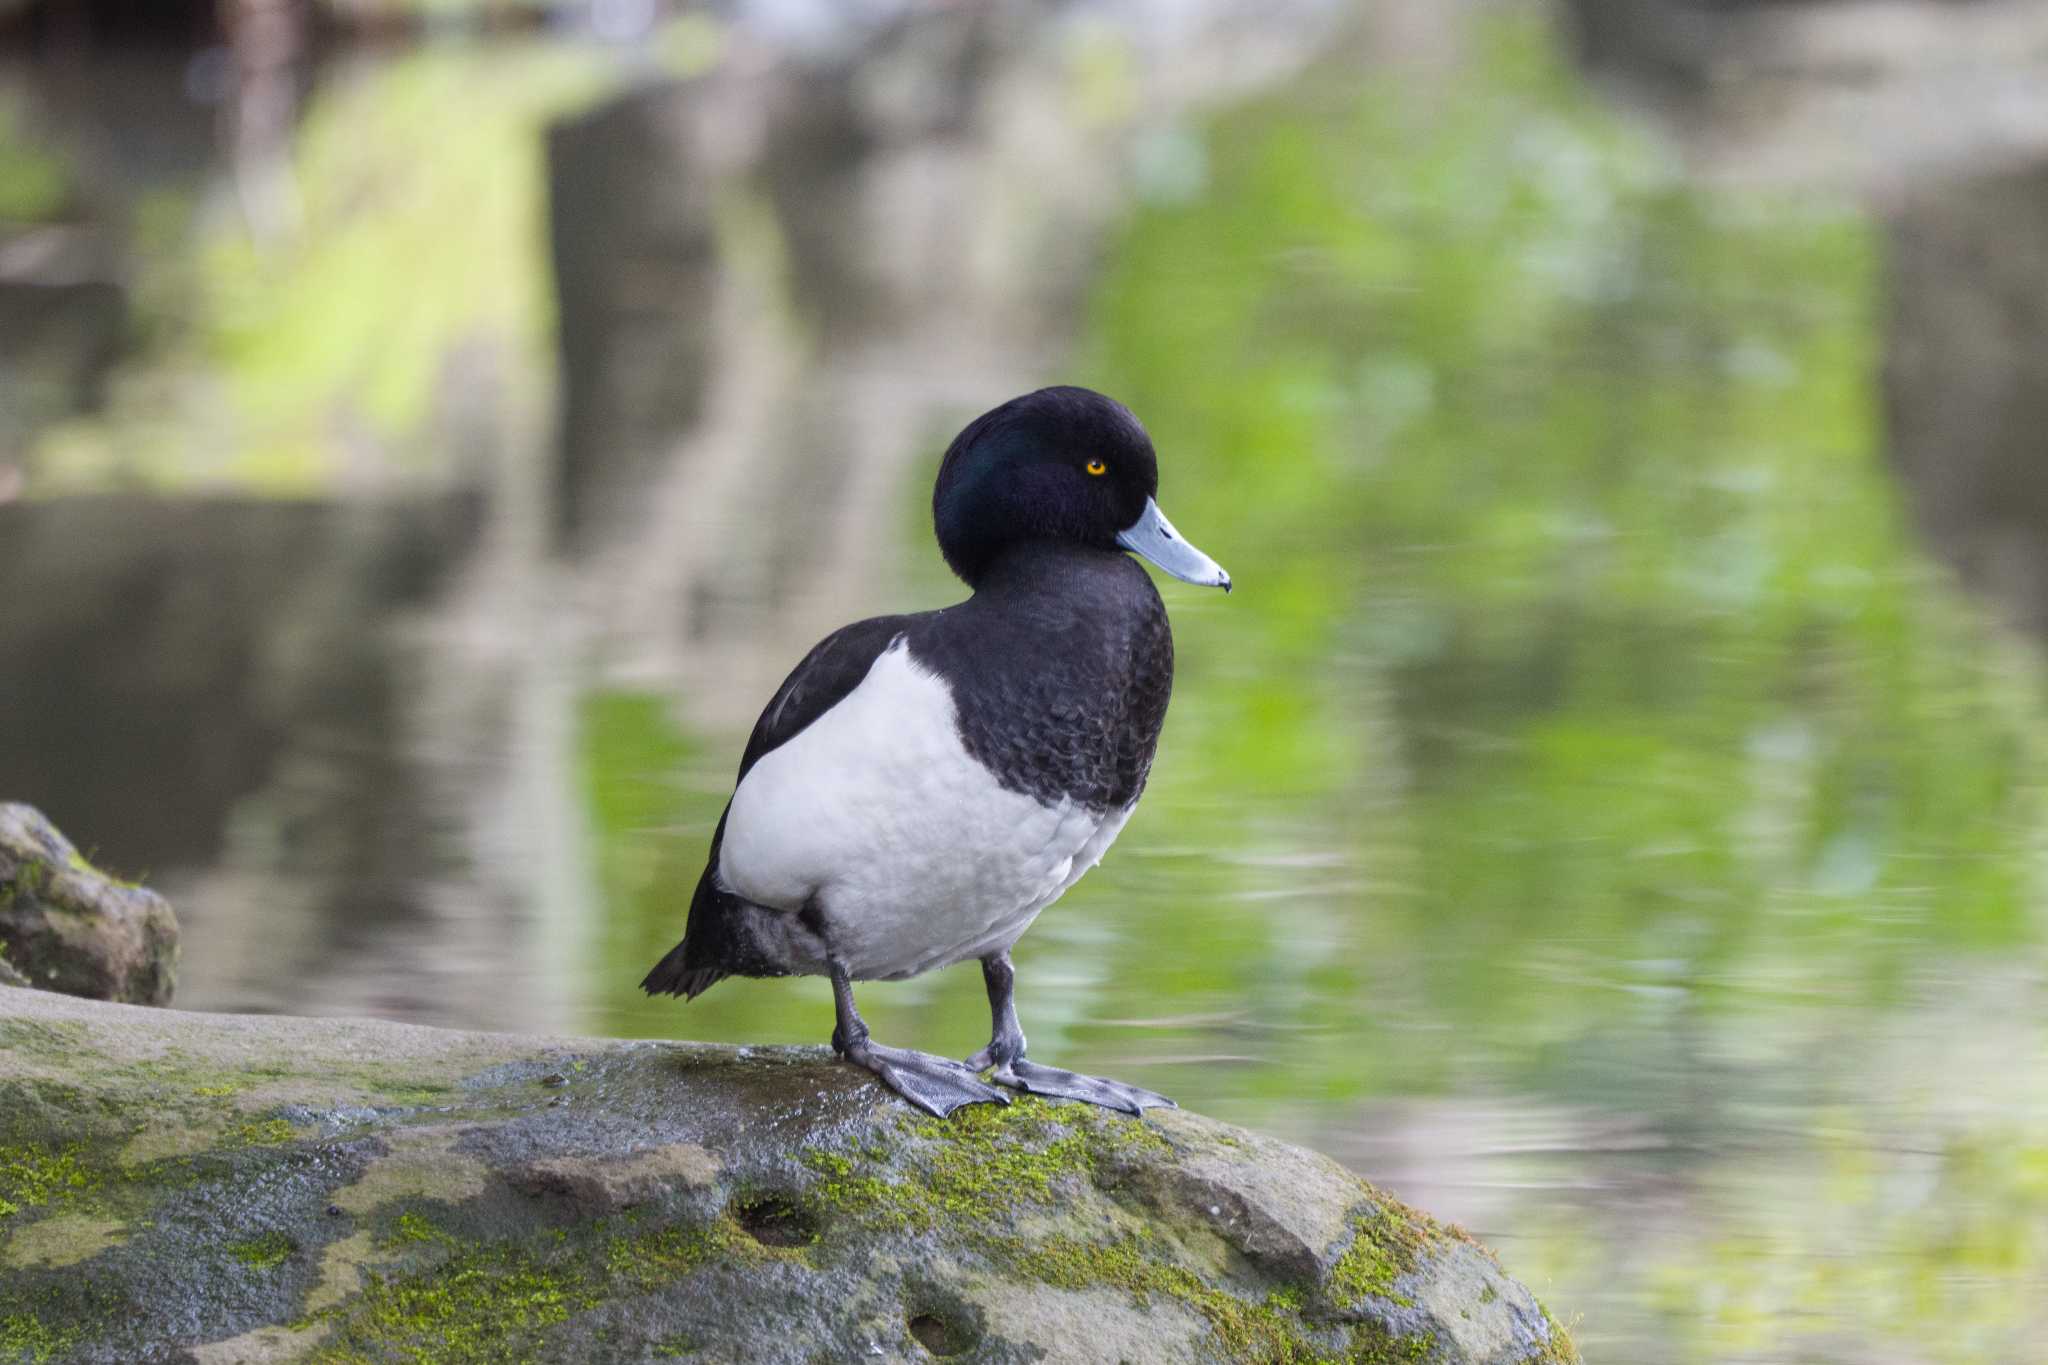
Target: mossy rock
point(234, 1188)
point(67, 926)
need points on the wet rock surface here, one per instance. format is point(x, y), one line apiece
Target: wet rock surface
point(67, 926)
point(221, 1188)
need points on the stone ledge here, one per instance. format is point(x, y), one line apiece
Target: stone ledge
point(242, 1189)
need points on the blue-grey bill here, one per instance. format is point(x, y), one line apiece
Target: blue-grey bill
point(1152, 537)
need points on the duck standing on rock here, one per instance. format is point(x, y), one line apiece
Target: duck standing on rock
point(922, 786)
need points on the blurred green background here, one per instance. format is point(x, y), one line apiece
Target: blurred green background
point(1608, 813)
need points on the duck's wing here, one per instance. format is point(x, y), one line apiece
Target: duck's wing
point(834, 667)
point(712, 948)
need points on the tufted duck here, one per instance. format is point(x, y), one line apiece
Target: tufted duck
point(922, 786)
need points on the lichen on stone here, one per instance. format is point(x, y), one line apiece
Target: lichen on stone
point(60, 1239)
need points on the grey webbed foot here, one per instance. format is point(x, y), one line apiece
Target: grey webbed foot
point(1020, 1074)
point(1005, 1053)
point(937, 1085)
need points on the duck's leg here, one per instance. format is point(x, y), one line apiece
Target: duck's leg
point(1005, 1053)
point(937, 1085)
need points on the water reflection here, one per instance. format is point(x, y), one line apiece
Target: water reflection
point(1595, 815)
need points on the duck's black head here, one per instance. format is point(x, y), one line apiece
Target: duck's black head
point(1061, 464)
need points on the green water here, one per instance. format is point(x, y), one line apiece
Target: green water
point(1593, 813)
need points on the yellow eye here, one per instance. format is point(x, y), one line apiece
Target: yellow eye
point(1097, 467)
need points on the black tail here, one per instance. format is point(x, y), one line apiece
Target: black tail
point(674, 975)
point(678, 973)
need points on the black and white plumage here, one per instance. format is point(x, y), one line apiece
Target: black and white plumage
point(922, 786)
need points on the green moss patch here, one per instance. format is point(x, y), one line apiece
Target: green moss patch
point(983, 1161)
point(1272, 1332)
point(1385, 1247)
point(31, 1176)
point(25, 1336)
point(997, 1155)
point(484, 1305)
point(664, 1256)
point(45, 1315)
point(258, 1133)
point(971, 1172)
point(264, 1252)
point(377, 1238)
point(50, 1039)
point(1373, 1344)
point(1560, 1351)
point(412, 1229)
point(496, 1301)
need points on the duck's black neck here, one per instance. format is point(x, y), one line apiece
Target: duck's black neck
point(1060, 665)
point(1053, 568)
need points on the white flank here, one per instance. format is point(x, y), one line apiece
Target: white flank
point(918, 857)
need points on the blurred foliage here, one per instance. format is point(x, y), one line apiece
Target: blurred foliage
point(1586, 723)
point(33, 183)
point(1554, 493)
point(410, 270)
